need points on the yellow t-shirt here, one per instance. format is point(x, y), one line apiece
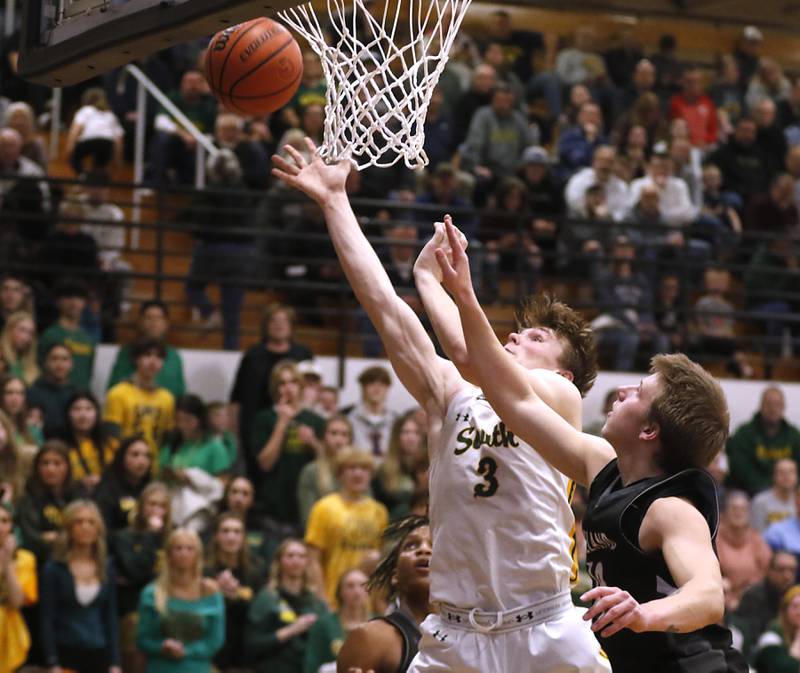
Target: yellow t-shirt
point(85, 459)
point(133, 409)
point(15, 641)
point(344, 531)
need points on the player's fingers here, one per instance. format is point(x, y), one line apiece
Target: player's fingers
point(444, 264)
point(281, 175)
point(618, 624)
point(603, 604)
point(598, 592)
point(311, 146)
point(299, 159)
point(285, 166)
point(455, 247)
point(611, 614)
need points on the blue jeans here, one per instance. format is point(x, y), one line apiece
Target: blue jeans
point(230, 265)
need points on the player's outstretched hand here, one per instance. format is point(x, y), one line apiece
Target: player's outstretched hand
point(455, 265)
point(317, 179)
point(426, 260)
point(616, 610)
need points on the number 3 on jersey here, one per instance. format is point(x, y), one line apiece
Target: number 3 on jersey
point(486, 468)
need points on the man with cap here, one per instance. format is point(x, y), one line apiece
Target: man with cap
point(545, 199)
point(747, 54)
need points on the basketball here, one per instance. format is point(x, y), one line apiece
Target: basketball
point(254, 67)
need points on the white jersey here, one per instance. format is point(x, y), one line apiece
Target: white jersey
point(502, 526)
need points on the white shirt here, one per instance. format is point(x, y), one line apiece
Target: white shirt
point(370, 431)
point(110, 238)
point(617, 195)
point(500, 516)
point(97, 123)
point(675, 204)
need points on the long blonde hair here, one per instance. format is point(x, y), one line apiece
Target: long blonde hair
point(139, 523)
point(393, 468)
point(325, 462)
point(30, 370)
point(13, 467)
point(63, 546)
point(164, 580)
point(275, 574)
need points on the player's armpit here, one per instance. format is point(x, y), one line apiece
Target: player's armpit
point(375, 646)
point(680, 531)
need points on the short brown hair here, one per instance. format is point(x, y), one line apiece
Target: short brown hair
point(373, 374)
point(580, 350)
point(271, 311)
point(275, 376)
point(691, 412)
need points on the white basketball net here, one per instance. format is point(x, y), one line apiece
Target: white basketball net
point(379, 90)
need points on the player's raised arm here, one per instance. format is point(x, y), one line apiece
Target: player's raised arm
point(508, 388)
point(440, 308)
point(422, 372)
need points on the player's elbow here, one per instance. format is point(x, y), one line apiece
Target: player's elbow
point(711, 604)
point(716, 604)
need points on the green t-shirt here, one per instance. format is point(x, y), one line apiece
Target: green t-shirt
point(276, 495)
point(269, 612)
point(325, 639)
point(208, 454)
point(170, 376)
point(80, 344)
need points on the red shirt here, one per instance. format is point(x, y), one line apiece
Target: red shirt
point(700, 115)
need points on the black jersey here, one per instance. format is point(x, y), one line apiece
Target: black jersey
point(410, 632)
point(611, 525)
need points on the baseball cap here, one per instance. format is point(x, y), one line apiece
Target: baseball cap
point(752, 33)
point(535, 155)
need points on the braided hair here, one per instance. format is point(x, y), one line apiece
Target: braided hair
point(381, 578)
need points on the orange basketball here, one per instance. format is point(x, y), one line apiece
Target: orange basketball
point(255, 67)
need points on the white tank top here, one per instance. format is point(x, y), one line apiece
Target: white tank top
point(500, 516)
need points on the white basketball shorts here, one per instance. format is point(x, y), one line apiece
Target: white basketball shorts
point(564, 644)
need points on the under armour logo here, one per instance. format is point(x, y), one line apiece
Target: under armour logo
point(521, 618)
point(454, 618)
point(462, 416)
point(440, 636)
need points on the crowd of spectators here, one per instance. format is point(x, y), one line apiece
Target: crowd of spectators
point(155, 530)
point(640, 176)
point(554, 155)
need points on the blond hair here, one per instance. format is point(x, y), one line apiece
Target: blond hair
point(27, 359)
point(275, 573)
point(139, 523)
point(789, 632)
point(691, 412)
point(275, 376)
point(352, 457)
point(164, 581)
point(63, 545)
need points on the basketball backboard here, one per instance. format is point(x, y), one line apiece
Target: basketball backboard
point(67, 41)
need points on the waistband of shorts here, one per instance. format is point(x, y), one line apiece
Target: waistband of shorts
point(499, 622)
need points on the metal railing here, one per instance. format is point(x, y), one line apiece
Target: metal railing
point(292, 259)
